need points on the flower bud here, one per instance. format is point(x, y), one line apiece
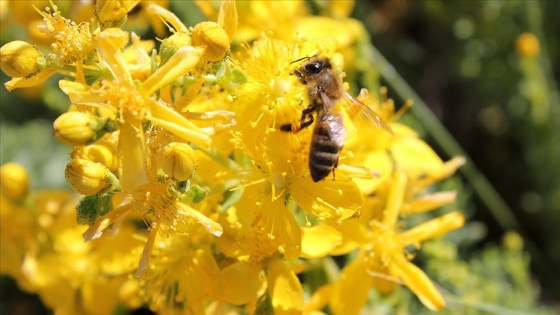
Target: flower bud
point(98, 152)
point(20, 59)
point(212, 36)
point(77, 128)
point(112, 13)
point(14, 181)
point(179, 161)
point(171, 44)
point(90, 178)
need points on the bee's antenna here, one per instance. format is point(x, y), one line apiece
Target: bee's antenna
point(305, 58)
point(300, 59)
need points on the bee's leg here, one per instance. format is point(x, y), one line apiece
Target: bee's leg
point(334, 168)
point(305, 121)
point(310, 109)
point(296, 127)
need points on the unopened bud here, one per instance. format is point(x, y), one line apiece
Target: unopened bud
point(14, 181)
point(77, 128)
point(20, 59)
point(112, 13)
point(179, 161)
point(173, 43)
point(212, 36)
point(98, 152)
point(90, 178)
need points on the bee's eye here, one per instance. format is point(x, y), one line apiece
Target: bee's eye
point(313, 68)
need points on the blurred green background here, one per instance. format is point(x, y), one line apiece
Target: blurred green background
point(502, 109)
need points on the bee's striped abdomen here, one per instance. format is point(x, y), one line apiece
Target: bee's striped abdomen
point(323, 154)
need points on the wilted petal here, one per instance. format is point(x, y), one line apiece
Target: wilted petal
point(212, 226)
point(96, 229)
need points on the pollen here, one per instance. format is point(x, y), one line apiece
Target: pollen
point(72, 41)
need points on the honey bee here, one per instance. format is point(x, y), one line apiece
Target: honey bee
point(324, 92)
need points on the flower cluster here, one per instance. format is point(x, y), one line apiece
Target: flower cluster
point(194, 200)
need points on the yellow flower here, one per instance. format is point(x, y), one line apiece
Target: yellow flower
point(383, 259)
point(257, 253)
point(279, 173)
point(71, 44)
point(133, 104)
point(43, 250)
point(183, 274)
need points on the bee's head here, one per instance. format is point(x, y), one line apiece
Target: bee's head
point(311, 68)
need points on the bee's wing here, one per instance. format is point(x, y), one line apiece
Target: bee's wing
point(369, 113)
point(331, 120)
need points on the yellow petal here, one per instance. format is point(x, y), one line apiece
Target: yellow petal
point(343, 32)
point(319, 240)
point(328, 199)
point(318, 300)
point(382, 163)
point(240, 283)
point(80, 93)
point(395, 198)
point(417, 281)
point(212, 226)
point(350, 292)
point(96, 230)
point(109, 43)
point(169, 17)
point(24, 82)
point(353, 234)
point(132, 156)
point(284, 289)
point(98, 295)
point(415, 156)
point(227, 18)
point(177, 124)
point(430, 202)
point(178, 65)
point(258, 209)
point(435, 227)
point(340, 9)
